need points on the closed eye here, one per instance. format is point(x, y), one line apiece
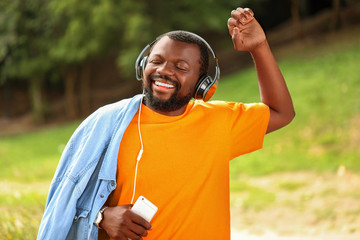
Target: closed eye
point(155, 62)
point(182, 68)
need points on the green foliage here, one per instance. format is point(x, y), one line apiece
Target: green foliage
point(26, 34)
point(192, 15)
point(153, 18)
point(85, 29)
point(7, 33)
point(44, 34)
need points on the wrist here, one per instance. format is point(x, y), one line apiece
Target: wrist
point(100, 217)
point(261, 47)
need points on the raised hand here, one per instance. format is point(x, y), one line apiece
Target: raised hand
point(245, 31)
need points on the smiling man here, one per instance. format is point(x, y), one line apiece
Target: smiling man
point(165, 146)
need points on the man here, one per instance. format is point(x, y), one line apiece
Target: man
point(171, 150)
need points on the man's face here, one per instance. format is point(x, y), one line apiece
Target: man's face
point(170, 75)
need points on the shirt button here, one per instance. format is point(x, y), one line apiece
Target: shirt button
point(112, 184)
point(75, 218)
point(102, 196)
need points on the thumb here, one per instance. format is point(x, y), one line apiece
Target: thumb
point(235, 32)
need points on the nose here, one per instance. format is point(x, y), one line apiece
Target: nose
point(165, 69)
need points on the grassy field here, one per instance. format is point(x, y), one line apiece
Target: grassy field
point(324, 79)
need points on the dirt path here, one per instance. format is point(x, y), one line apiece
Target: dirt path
point(306, 206)
point(269, 235)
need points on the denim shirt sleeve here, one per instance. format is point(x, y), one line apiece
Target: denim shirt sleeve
point(76, 183)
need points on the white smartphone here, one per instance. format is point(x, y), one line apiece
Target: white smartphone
point(144, 208)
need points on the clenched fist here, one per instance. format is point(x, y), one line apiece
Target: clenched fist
point(245, 31)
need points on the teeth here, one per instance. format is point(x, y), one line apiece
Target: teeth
point(163, 84)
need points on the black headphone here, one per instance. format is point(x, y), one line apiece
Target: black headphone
point(205, 86)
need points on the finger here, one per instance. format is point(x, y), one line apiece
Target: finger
point(131, 235)
point(249, 11)
point(232, 22)
point(139, 230)
point(234, 37)
point(231, 25)
point(248, 14)
point(141, 221)
point(240, 17)
point(243, 15)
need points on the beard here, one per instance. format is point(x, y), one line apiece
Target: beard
point(172, 104)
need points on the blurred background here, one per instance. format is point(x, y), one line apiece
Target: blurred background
point(62, 59)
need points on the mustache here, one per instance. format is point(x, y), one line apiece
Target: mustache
point(167, 78)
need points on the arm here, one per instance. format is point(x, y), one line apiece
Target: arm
point(247, 35)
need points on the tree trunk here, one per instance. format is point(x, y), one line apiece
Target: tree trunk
point(85, 89)
point(336, 14)
point(37, 100)
point(295, 15)
point(70, 95)
point(7, 99)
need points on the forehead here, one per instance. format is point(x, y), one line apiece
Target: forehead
point(172, 49)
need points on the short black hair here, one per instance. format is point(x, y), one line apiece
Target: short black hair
point(183, 36)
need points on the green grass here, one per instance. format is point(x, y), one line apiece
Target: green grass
point(27, 165)
point(255, 199)
point(324, 81)
point(33, 156)
point(291, 186)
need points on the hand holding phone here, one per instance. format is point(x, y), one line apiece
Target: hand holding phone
point(144, 208)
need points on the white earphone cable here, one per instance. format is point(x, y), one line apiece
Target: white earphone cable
point(140, 152)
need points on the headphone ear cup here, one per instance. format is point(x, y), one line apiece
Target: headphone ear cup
point(205, 88)
point(210, 91)
point(202, 88)
point(138, 70)
point(141, 68)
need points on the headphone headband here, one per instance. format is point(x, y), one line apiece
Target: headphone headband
point(205, 86)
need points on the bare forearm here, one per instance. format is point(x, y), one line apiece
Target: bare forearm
point(247, 35)
point(273, 90)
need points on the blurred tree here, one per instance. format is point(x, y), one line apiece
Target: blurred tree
point(270, 13)
point(26, 38)
point(157, 17)
point(91, 29)
point(85, 30)
point(6, 39)
point(39, 37)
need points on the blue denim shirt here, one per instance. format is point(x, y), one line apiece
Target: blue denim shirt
point(86, 173)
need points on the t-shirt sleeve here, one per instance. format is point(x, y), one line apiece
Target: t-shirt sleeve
point(249, 125)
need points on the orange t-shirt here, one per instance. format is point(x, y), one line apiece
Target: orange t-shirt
point(184, 169)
